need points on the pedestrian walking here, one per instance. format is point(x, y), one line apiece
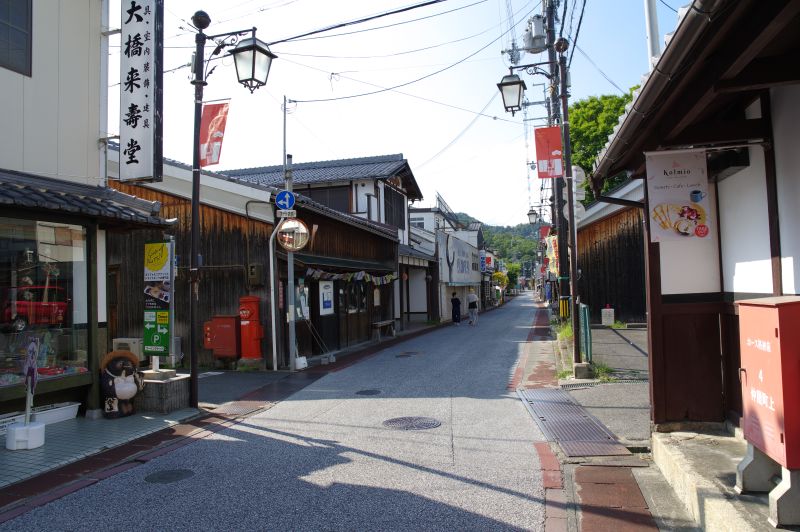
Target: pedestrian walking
point(472, 306)
point(456, 303)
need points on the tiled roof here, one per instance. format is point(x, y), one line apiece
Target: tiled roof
point(378, 167)
point(20, 189)
point(408, 251)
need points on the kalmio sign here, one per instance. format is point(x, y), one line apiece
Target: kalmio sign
point(677, 188)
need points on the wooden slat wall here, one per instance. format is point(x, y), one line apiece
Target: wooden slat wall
point(611, 261)
point(223, 278)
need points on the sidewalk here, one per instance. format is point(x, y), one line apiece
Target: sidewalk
point(614, 493)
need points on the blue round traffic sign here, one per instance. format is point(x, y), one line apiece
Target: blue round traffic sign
point(284, 200)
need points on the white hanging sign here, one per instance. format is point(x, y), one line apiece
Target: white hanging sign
point(140, 94)
point(677, 188)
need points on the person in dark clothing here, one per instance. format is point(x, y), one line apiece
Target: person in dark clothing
point(456, 309)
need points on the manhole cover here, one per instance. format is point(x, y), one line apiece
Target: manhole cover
point(368, 392)
point(412, 423)
point(169, 476)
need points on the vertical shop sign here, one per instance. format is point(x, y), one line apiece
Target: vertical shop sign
point(548, 152)
point(677, 189)
point(158, 282)
point(141, 52)
point(212, 130)
point(483, 260)
point(552, 254)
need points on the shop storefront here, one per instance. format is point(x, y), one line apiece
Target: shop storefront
point(52, 275)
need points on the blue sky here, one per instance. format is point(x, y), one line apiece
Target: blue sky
point(477, 163)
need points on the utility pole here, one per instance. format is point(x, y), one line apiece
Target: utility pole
point(573, 225)
point(558, 185)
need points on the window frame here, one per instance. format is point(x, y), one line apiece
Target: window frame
point(27, 70)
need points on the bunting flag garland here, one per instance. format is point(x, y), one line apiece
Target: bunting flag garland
point(350, 277)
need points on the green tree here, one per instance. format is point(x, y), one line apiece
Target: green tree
point(591, 121)
point(513, 272)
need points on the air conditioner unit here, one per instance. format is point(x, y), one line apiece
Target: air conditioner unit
point(134, 345)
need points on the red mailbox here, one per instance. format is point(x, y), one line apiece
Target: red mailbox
point(769, 341)
point(252, 332)
point(221, 335)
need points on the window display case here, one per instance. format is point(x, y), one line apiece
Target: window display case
point(43, 292)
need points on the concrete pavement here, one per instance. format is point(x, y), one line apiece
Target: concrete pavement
point(324, 459)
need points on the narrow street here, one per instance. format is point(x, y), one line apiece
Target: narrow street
point(324, 460)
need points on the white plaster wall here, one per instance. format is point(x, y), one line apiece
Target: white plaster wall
point(416, 290)
point(51, 120)
point(691, 266)
point(361, 200)
point(785, 120)
point(744, 229)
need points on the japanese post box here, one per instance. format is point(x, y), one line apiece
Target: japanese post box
point(769, 341)
point(252, 331)
point(221, 335)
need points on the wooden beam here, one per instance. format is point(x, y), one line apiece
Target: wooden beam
point(764, 73)
point(620, 201)
point(740, 46)
point(722, 131)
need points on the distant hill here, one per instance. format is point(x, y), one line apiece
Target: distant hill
point(511, 243)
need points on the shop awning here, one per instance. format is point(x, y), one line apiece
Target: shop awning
point(414, 257)
point(108, 206)
point(354, 265)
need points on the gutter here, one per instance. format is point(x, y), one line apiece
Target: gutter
point(680, 45)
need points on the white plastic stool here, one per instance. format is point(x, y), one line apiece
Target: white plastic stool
point(22, 436)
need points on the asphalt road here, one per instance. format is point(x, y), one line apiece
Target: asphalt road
point(323, 459)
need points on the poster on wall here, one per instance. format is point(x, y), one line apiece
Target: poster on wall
point(325, 298)
point(677, 188)
point(158, 276)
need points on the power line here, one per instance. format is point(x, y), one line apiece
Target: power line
point(411, 95)
point(391, 25)
point(563, 17)
point(412, 81)
point(394, 54)
point(598, 69)
point(669, 6)
point(359, 21)
point(463, 131)
point(577, 33)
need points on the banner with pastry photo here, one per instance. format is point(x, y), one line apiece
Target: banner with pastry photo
point(677, 188)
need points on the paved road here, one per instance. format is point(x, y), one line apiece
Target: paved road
point(323, 460)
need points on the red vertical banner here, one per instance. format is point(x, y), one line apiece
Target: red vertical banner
point(212, 130)
point(548, 152)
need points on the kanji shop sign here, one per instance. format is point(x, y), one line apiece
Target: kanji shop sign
point(548, 152)
point(141, 49)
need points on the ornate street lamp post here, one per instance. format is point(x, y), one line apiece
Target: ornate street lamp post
point(253, 60)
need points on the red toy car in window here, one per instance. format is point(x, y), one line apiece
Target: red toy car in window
point(35, 306)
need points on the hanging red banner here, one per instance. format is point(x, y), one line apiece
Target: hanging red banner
point(548, 152)
point(212, 129)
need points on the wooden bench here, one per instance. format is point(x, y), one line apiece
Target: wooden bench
point(378, 325)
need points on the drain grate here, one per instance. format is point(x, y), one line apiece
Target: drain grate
point(412, 423)
point(578, 385)
point(239, 408)
point(169, 476)
point(568, 423)
point(368, 392)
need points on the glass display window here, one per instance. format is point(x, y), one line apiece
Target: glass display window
point(44, 297)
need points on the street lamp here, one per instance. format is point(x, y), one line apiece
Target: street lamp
point(511, 89)
point(252, 59)
point(533, 216)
